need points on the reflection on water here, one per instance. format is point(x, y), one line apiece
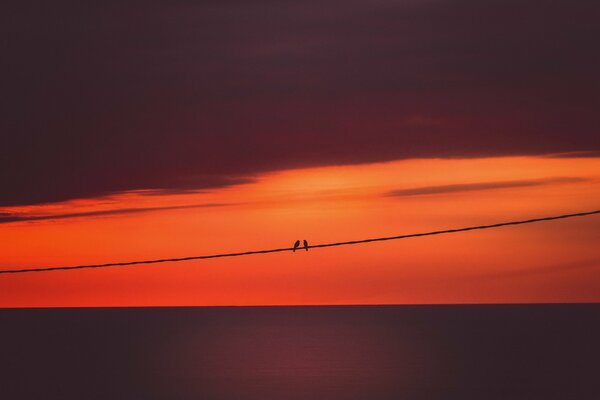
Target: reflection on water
point(415, 352)
point(294, 352)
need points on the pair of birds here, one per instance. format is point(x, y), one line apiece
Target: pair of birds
point(297, 244)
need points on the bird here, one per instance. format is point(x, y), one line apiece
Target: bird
point(296, 245)
point(305, 245)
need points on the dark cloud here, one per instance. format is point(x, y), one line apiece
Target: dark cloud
point(119, 95)
point(15, 217)
point(468, 187)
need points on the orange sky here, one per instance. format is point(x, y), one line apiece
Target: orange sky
point(546, 262)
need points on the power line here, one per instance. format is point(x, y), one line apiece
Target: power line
point(247, 253)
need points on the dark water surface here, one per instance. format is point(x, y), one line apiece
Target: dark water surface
point(349, 352)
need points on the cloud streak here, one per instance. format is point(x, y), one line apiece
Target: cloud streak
point(14, 217)
point(546, 269)
point(479, 186)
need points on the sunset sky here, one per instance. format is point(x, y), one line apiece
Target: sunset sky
point(141, 130)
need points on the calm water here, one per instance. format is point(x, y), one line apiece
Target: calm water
point(370, 352)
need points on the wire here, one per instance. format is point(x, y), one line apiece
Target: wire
point(247, 253)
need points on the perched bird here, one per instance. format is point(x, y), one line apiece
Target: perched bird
point(296, 245)
point(305, 245)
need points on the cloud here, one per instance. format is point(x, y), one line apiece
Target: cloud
point(100, 99)
point(576, 154)
point(478, 186)
point(10, 217)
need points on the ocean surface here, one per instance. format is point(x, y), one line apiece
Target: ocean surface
point(462, 352)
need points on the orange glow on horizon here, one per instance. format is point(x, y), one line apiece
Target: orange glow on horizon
point(545, 262)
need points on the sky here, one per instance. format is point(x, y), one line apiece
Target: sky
point(135, 130)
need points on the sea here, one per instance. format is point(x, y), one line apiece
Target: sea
point(504, 352)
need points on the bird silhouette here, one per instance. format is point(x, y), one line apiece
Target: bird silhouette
point(305, 245)
point(296, 245)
